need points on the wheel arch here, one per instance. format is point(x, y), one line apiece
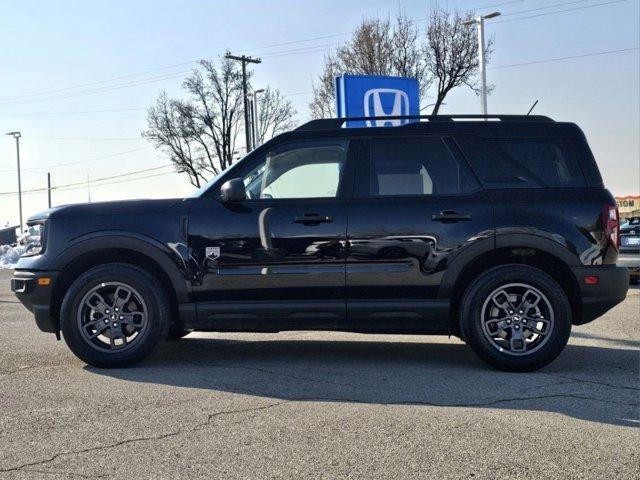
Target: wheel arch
point(88, 253)
point(551, 264)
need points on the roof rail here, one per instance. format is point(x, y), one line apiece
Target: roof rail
point(328, 123)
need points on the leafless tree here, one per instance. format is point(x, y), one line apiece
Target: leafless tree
point(444, 57)
point(199, 132)
point(275, 114)
point(377, 47)
point(451, 51)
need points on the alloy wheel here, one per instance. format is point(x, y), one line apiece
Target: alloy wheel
point(112, 316)
point(517, 319)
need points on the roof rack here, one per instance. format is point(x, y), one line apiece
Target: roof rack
point(328, 123)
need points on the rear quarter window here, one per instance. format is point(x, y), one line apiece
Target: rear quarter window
point(525, 162)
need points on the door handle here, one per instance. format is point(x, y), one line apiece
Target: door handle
point(312, 219)
point(450, 216)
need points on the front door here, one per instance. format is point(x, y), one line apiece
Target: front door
point(416, 206)
point(276, 259)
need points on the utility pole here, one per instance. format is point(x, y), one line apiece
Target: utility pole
point(481, 60)
point(49, 188)
point(244, 59)
point(17, 136)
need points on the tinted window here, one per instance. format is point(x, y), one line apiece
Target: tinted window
point(415, 166)
point(502, 163)
point(301, 170)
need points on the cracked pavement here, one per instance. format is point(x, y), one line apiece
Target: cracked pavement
point(319, 405)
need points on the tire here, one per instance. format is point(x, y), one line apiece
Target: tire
point(98, 300)
point(533, 339)
point(176, 332)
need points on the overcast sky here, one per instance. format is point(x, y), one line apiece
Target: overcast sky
point(49, 50)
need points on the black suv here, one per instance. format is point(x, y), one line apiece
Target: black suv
point(497, 230)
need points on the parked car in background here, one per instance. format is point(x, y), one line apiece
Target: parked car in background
point(8, 235)
point(630, 235)
point(498, 231)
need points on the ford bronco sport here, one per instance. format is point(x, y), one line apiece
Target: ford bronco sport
point(497, 230)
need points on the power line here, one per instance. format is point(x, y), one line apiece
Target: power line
point(134, 83)
point(555, 5)
point(47, 93)
point(84, 138)
point(559, 11)
point(592, 54)
point(83, 183)
point(46, 167)
point(71, 113)
point(8, 101)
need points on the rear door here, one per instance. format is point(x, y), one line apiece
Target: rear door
point(416, 206)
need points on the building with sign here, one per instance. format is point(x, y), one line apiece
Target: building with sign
point(629, 206)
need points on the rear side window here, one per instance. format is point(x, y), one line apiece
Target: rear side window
point(413, 166)
point(524, 163)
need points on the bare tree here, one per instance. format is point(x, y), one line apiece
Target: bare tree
point(445, 57)
point(275, 114)
point(377, 47)
point(451, 51)
point(199, 132)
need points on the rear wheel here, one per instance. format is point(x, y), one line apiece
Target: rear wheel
point(516, 317)
point(114, 315)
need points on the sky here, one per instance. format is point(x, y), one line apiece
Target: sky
point(77, 76)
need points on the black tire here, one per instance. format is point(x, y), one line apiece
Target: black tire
point(477, 300)
point(176, 332)
point(156, 319)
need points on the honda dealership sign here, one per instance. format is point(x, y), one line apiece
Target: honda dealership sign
point(376, 96)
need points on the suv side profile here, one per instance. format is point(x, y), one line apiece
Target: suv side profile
point(497, 230)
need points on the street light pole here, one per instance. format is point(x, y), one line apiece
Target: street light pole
point(17, 136)
point(255, 111)
point(481, 60)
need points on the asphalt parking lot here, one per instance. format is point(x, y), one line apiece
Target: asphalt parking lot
point(319, 405)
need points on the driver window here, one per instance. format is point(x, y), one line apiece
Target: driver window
point(301, 170)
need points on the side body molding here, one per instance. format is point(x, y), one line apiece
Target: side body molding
point(169, 257)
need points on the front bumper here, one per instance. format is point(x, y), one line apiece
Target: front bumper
point(613, 283)
point(35, 296)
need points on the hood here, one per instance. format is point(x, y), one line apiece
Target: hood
point(120, 207)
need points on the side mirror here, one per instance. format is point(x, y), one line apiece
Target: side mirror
point(233, 191)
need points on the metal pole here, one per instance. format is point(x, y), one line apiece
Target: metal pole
point(483, 70)
point(17, 136)
point(49, 188)
point(19, 180)
point(256, 119)
point(254, 132)
point(247, 133)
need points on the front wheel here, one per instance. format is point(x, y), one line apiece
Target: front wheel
point(515, 317)
point(114, 315)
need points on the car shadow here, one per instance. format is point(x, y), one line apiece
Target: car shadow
point(586, 382)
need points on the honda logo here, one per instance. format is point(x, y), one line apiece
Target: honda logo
point(373, 106)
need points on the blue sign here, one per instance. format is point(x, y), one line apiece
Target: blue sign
point(376, 96)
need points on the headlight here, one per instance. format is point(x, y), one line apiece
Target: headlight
point(33, 239)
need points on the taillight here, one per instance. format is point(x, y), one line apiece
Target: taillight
point(611, 225)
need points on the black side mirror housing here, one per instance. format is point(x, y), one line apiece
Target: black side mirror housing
point(233, 191)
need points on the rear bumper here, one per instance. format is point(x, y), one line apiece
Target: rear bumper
point(613, 283)
point(36, 297)
point(632, 262)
